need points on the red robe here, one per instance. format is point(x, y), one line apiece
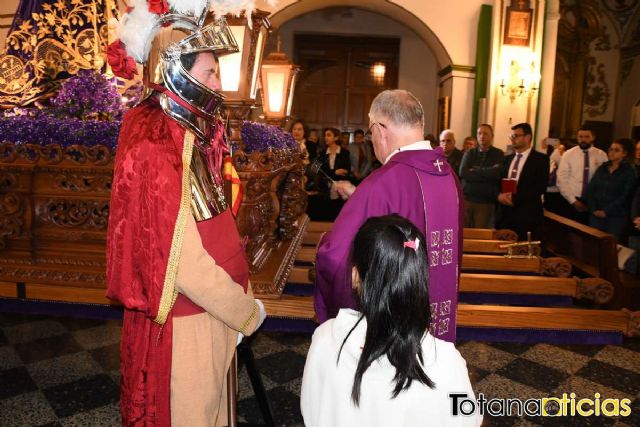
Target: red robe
point(141, 268)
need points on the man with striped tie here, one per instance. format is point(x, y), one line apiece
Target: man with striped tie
point(524, 175)
point(575, 170)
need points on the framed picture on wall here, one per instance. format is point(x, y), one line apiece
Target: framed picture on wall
point(444, 113)
point(517, 27)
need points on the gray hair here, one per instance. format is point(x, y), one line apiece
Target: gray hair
point(447, 131)
point(401, 107)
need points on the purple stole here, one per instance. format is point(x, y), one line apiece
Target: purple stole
point(443, 231)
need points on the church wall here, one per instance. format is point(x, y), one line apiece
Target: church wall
point(509, 64)
point(610, 91)
point(628, 100)
point(417, 67)
point(602, 76)
point(454, 22)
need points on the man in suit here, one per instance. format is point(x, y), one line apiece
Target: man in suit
point(361, 157)
point(521, 210)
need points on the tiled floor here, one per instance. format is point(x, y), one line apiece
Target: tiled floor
point(58, 371)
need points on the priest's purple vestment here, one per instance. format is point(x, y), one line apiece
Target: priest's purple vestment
point(418, 185)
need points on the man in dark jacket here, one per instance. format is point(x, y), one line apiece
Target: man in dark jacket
point(448, 144)
point(480, 172)
point(521, 210)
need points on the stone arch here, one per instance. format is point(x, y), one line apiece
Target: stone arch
point(383, 7)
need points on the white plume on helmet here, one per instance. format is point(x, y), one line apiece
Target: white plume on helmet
point(138, 29)
point(188, 7)
point(235, 7)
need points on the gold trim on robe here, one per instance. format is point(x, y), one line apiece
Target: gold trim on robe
point(169, 293)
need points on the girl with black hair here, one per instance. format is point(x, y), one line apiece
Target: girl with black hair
point(381, 366)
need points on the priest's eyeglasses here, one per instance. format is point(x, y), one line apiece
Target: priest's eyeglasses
point(376, 123)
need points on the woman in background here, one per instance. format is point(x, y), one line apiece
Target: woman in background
point(609, 191)
point(299, 133)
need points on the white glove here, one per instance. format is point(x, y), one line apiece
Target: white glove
point(262, 314)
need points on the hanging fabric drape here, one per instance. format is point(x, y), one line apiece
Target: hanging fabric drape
point(50, 40)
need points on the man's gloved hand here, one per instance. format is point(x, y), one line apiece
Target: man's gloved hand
point(262, 314)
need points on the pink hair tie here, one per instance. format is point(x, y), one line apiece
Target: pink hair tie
point(413, 244)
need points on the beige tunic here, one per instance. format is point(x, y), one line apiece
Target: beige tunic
point(203, 344)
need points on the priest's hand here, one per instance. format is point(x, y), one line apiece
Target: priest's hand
point(506, 199)
point(600, 213)
point(580, 207)
point(344, 188)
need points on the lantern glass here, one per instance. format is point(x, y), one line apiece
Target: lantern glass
point(276, 86)
point(231, 65)
point(257, 62)
point(290, 87)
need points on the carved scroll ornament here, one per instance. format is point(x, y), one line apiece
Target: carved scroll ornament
point(555, 267)
point(73, 213)
point(594, 289)
point(53, 154)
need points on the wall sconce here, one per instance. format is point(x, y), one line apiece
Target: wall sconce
point(518, 81)
point(278, 79)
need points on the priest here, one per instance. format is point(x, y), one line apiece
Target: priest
point(416, 182)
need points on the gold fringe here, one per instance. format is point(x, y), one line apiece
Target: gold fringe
point(169, 293)
point(247, 322)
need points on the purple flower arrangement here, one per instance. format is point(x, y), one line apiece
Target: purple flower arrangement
point(261, 137)
point(38, 127)
point(87, 111)
point(89, 95)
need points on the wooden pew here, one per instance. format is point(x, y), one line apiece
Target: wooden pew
point(489, 234)
point(310, 240)
point(475, 239)
point(469, 233)
point(470, 262)
point(496, 316)
point(594, 289)
point(589, 250)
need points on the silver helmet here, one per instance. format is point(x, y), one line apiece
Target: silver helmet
point(182, 97)
point(188, 101)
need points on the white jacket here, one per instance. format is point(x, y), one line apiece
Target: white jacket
point(325, 399)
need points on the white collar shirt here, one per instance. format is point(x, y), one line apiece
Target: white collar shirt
point(332, 157)
point(420, 145)
point(571, 170)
